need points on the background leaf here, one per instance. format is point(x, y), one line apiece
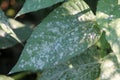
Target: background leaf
point(6, 27)
point(65, 33)
point(108, 18)
point(34, 5)
point(21, 30)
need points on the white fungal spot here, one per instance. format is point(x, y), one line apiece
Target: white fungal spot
point(39, 64)
point(61, 55)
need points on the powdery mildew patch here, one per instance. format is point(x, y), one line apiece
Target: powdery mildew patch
point(58, 38)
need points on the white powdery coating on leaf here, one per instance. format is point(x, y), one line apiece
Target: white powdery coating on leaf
point(39, 64)
point(48, 52)
point(57, 40)
point(22, 65)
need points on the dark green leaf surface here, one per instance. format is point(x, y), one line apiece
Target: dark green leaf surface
point(65, 33)
point(82, 67)
point(34, 5)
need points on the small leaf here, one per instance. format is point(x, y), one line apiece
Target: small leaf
point(34, 5)
point(118, 2)
point(66, 32)
point(106, 45)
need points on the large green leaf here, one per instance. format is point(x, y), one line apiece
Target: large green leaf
point(82, 67)
point(34, 5)
point(66, 32)
point(22, 31)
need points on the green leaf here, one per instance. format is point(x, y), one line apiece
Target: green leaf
point(106, 6)
point(110, 69)
point(3, 77)
point(65, 33)
point(82, 67)
point(6, 27)
point(34, 5)
point(108, 18)
point(21, 30)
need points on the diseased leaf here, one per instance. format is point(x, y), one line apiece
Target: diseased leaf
point(21, 30)
point(82, 67)
point(34, 5)
point(66, 32)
